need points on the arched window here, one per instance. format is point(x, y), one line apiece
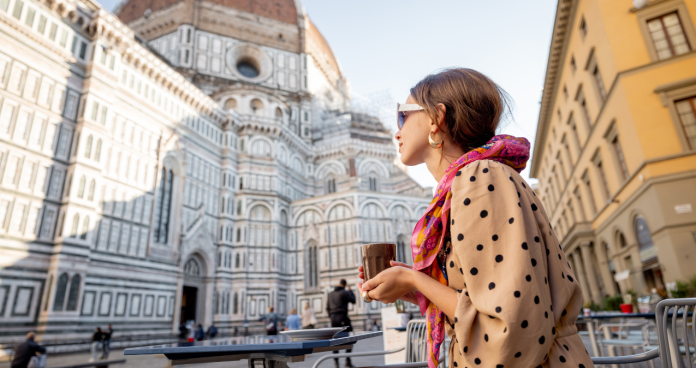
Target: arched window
point(261, 148)
point(192, 267)
point(215, 303)
point(256, 106)
point(239, 203)
point(61, 287)
point(231, 103)
point(88, 147)
point(85, 228)
point(162, 209)
point(81, 187)
point(239, 234)
point(75, 224)
point(236, 260)
point(402, 254)
point(283, 229)
point(331, 186)
point(621, 240)
point(74, 293)
point(372, 180)
point(219, 259)
point(312, 274)
point(235, 303)
point(278, 113)
point(645, 241)
point(90, 193)
point(97, 151)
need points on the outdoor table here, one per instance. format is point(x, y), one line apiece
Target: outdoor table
point(260, 351)
point(589, 322)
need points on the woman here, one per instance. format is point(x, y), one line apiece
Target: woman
point(292, 321)
point(488, 270)
point(309, 320)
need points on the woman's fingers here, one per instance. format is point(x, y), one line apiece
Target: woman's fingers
point(399, 264)
point(360, 269)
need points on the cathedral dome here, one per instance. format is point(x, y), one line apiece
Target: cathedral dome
point(284, 11)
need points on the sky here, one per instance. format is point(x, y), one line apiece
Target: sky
point(391, 45)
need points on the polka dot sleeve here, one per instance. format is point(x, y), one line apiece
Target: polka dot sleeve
point(502, 316)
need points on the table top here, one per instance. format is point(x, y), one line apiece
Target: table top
point(617, 315)
point(278, 345)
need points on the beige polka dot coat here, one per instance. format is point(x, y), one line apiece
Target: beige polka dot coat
point(518, 297)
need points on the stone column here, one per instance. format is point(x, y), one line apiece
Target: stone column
point(602, 258)
point(590, 272)
point(576, 263)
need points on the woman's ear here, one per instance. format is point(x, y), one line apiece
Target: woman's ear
point(441, 111)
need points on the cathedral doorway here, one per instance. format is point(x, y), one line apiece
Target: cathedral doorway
point(193, 291)
point(189, 299)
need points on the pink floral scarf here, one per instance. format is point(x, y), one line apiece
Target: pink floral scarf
point(429, 233)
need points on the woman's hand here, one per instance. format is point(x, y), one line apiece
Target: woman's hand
point(391, 284)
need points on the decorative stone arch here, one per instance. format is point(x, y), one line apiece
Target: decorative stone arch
point(420, 211)
point(295, 162)
point(281, 153)
point(369, 165)
point(304, 209)
point(373, 201)
point(329, 167)
point(338, 203)
point(258, 138)
point(619, 236)
point(412, 216)
point(252, 205)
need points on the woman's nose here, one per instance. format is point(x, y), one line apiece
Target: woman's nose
point(397, 135)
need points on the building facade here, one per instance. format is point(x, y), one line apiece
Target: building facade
point(615, 150)
point(192, 161)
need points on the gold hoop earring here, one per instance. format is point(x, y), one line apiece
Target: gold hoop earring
point(434, 144)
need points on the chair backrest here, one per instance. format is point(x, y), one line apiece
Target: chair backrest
point(672, 333)
point(417, 343)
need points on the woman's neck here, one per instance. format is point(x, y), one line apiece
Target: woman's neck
point(438, 160)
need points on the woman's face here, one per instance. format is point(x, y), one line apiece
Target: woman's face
point(413, 136)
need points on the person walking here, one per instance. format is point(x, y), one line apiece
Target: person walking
point(212, 331)
point(200, 335)
point(270, 320)
point(183, 331)
point(488, 270)
point(26, 350)
point(106, 343)
point(309, 320)
point(337, 309)
point(96, 343)
point(292, 321)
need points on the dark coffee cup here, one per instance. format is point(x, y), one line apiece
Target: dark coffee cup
point(376, 257)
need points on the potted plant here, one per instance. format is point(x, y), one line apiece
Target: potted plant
point(628, 300)
point(401, 312)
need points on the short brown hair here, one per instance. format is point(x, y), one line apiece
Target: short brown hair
point(474, 104)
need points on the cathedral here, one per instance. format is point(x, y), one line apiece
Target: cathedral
point(183, 160)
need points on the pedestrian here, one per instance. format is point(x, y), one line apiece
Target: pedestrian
point(337, 309)
point(106, 344)
point(200, 335)
point(212, 331)
point(191, 327)
point(26, 351)
point(183, 331)
point(292, 321)
point(270, 320)
point(96, 343)
point(518, 277)
point(309, 320)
